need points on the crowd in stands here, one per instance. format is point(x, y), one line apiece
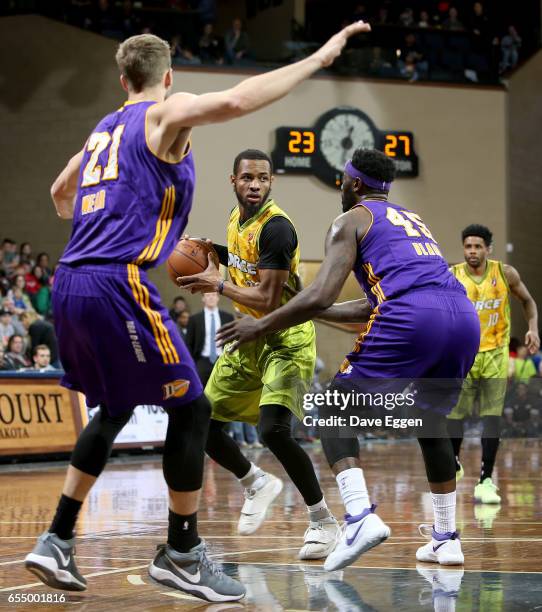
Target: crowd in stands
point(415, 40)
point(438, 40)
point(27, 338)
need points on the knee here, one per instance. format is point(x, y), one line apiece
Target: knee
point(272, 434)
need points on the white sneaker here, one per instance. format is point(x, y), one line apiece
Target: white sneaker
point(360, 534)
point(320, 539)
point(257, 502)
point(444, 548)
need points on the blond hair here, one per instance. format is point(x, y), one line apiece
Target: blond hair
point(143, 60)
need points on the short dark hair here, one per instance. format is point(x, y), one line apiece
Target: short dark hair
point(40, 347)
point(481, 231)
point(251, 154)
point(375, 164)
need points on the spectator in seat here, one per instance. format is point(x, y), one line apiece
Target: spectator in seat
point(6, 327)
point(33, 281)
point(41, 356)
point(25, 254)
point(18, 295)
point(41, 332)
point(411, 61)
point(181, 53)
point(15, 357)
point(10, 259)
point(179, 305)
point(406, 18)
point(236, 43)
point(453, 23)
point(182, 322)
point(210, 46)
point(425, 20)
point(510, 45)
point(479, 23)
point(42, 260)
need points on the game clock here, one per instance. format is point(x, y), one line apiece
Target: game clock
point(323, 150)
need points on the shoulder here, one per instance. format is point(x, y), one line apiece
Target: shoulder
point(511, 275)
point(357, 221)
point(226, 316)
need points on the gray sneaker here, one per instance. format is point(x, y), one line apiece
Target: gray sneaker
point(194, 573)
point(52, 561)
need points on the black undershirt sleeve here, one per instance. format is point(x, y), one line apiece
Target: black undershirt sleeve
point(278, 241)
point(222, 252)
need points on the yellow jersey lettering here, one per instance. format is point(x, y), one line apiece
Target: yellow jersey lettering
point(93, 202)
point(429, 248)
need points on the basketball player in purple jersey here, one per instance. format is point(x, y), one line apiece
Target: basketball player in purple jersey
point(420, 325)
point(129, 192)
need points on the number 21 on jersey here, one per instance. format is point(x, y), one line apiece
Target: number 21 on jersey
point(97, 143)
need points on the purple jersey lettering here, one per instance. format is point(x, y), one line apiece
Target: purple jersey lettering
point(131, 207)
point(398, 255)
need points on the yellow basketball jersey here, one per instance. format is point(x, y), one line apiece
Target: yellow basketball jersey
point(489, 296)
point(244, 251)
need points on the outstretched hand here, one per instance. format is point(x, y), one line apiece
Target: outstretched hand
point(203, 282)
point(238, 332)
point(329, 52)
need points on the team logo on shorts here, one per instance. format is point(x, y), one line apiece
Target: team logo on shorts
point(175, 388)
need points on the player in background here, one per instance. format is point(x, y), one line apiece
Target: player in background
point(410, 295)
point(263, 382)
point(488, 283)
point(129, 192)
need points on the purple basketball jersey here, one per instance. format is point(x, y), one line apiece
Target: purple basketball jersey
point(399, 254)
point(131, 207)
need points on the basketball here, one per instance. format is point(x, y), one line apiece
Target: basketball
point(190, 256)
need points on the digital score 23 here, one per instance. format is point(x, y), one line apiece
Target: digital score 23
point(323, 150)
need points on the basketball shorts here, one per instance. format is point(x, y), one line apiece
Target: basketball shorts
point(118, 345)
point(424, 340)
point(275, 369)
point(487, 382)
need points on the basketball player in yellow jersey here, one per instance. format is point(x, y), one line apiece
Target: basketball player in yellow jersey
point(488, 284)
point(263, 382)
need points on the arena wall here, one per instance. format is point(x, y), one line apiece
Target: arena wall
point(60, 81)
point(525, 179)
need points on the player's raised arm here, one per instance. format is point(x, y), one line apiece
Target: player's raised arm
point(530, 311)
point(64, 189)
point(186, 110)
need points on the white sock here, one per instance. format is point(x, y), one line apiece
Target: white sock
point(318, 511)
point(255, 478)
point(444, 511)
point(353, 490)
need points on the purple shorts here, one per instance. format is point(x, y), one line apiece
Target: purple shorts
point(118, 344)
point(420, 337)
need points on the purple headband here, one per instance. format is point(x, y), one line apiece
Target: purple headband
point(369, 181)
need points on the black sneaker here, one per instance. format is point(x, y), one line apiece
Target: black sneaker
point(52, 561)
point(194, 573)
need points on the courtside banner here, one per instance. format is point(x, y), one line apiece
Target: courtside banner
point(147, 426)
point(37, 415)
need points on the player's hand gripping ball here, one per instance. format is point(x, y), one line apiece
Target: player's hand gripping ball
point(189, 257)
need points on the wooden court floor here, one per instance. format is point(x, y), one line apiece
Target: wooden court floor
point(125, 518)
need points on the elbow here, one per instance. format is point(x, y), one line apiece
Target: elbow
point(270, 304)
point(320, 302)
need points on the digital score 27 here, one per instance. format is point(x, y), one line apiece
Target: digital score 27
point(323, 150)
